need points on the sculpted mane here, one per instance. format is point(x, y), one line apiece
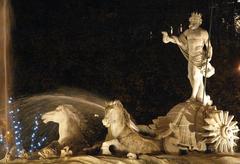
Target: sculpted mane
point(73, 115)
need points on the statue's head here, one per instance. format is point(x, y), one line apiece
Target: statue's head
point(63, 114)
point(115, 114)
point(117, 117)
point(195, 20)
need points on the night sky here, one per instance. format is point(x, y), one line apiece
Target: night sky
point(113, 48)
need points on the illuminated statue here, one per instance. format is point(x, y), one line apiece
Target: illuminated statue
point(187, 126)
point(71, 126)
point(125, 136)
point(195, 45)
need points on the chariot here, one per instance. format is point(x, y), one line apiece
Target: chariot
point(192, 126)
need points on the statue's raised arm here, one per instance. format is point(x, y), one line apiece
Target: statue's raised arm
point(172, 39)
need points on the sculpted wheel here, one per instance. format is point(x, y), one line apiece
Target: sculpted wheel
point(221, 131)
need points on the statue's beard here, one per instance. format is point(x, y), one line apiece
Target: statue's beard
point(193, 26)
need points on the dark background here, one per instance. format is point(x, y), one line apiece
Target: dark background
point(113, 48)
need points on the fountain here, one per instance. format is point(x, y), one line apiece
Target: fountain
point(5, 70)
point(34, 134)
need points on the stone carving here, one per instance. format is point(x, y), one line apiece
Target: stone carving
point(192, 126)
point(126, 138)
point(221, 131)
point(71, 126)
point(192, 43)
point(187, 126)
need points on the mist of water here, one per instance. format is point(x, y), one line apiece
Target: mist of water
point(90, 106)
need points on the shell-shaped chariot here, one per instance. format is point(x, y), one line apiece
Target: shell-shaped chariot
point(192, 126)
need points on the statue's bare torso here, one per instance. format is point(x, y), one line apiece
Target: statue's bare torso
point(196, 39)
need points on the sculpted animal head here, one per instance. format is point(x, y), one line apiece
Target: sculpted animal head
point(117, 117)
point(62, 114)
point(71, 122)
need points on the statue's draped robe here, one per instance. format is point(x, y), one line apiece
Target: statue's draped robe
point(198, 59)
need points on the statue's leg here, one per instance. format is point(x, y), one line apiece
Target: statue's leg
point(190, 79)
point(201, 92)
point(206, 100)
point(197, 79)
point(106, 145)
point(190, 73)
